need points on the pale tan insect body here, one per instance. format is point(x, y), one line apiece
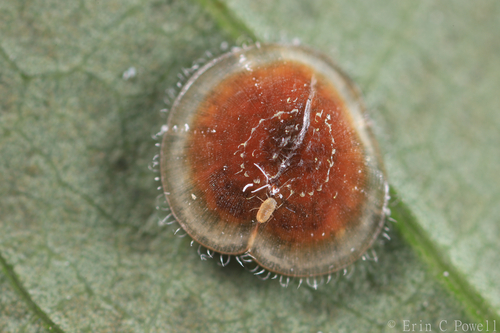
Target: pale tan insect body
point(266, 209)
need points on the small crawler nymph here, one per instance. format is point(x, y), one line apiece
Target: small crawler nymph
point(266, 209)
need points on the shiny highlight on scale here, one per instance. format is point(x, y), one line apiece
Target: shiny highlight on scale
point(267, 156)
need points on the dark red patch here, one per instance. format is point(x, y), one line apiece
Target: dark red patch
point(284, 126)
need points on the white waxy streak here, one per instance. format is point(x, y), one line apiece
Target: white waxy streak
point(305, 126)
point(307, 115)
point(247, 186)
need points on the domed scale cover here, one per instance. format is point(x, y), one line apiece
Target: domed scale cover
point(268, 152)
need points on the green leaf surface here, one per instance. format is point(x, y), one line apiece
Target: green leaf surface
point(81, 249)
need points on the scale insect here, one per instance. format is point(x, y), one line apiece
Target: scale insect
point(291, 115)
point(266, 209)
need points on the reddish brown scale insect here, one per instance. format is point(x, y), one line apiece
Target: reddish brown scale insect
point(286, 121)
